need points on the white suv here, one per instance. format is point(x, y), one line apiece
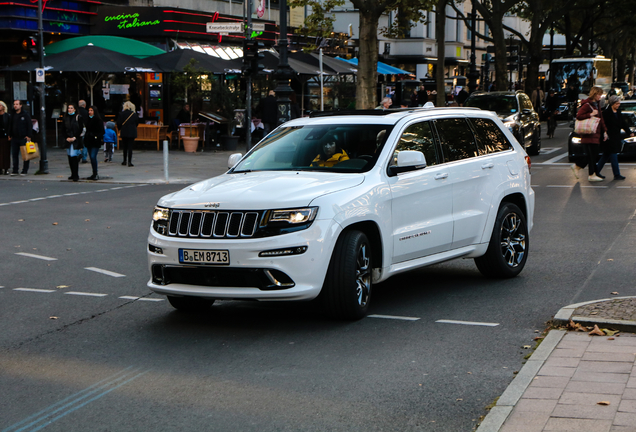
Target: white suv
point(326, 206)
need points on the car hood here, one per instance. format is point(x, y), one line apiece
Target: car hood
point(260, 190)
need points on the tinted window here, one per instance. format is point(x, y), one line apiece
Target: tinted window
point(525, 102)
point(418, 137)
point(456, 138)
point(501, 104)
point(490, 138)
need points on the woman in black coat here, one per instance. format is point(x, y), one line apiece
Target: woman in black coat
point(72, 134)
point(127, 125)
point(93, 138)
point(614, 122)
point(5, 145)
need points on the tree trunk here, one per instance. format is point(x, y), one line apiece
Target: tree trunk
point(535, 47)
point(501, 62)
point(440, 34)
point(367, 62)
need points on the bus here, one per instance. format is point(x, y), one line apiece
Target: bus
point(583, 72)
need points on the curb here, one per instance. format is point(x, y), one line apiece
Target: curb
point(495, 419)
point(566, 314)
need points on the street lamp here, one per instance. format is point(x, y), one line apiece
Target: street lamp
point(283, 73)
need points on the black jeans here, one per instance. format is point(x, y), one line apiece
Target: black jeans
point(127, 147)
point(592, 157)
point(15, 153)
point(73, 162)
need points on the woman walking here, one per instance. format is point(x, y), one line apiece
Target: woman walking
point(93, 138)
point(127, 124)
point(590, 108)
point(5, 145)
point(614, 122)
point(72, 134)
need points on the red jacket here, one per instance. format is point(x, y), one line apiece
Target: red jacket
point(585, 112)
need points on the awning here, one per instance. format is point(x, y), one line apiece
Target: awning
point(118, 44)
point(271, 59)
point(383, 68)
point(174, 61)
point(224, 52)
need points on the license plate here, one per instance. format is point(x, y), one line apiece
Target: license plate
point(198, 256)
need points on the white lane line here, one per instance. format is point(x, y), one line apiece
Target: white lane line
point(560, 186)
point(85, 294)
point(548, 150)
point(33, 290)
point(595, 187)
point(106, 272)
point(468, 323)
point(394, 317)
point(141, 298)
point(36, 256)
point(556, 158)
point(623, 187)
point(72, 194)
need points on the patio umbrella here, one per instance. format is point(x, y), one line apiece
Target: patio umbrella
point(383, 68)
point(298, 65)
point(174, 61)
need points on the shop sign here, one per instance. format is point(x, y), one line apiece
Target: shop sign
point(128, 21)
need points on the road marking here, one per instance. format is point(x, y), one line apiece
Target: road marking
point(595, 187)
point(623, 187)
point(36, 256)
point(548, 150)
point(468, 323)
point(71, 194)
point(85, 294)
point(106, 272)
point(141, 298)
point(394, 317)
point(33, 290)
point(556, 158)
point(560, 186)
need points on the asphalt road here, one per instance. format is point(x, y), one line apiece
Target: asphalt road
point(85, 346)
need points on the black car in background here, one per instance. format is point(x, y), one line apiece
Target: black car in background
point(576, 150)
point(517, 113)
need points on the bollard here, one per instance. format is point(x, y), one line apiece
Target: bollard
point(165, 160)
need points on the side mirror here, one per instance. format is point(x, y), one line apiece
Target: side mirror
point(234, 159)
point(408, 160)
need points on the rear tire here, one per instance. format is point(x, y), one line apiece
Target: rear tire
point(191, 304)
point(508, 249)
point(347, 289)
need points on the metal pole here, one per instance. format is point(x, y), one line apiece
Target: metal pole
point(284, 72)
point(473, 74)
point(551, 77)
point(165, 160)
point(322, 101)
point(248, 83)
point(44, 163)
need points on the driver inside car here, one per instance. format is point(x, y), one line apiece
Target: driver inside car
point(331, 154)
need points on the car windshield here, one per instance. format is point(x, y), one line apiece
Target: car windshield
point(331, 148)
point(628, 105)
point(501, 104)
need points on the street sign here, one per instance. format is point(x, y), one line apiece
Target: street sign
point(258, 27)
point(224, 27)
point(39, 75)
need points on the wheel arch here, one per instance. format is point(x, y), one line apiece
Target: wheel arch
point(372, 231)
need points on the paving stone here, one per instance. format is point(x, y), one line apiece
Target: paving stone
point(630, 394)
point(623, 429)
point(535, 405)
point(614, 348)
point(525, 422)
point(568, 352)
point(631, 383)
point(557, 371)
point(609, 357)
point(579, 398)
point(534, 392)
point(575, 337)
point(596, 387)
point(580, 375)
point(616, 309)
point(627, 406)
point(614, 340)
point(606, 367)
point(563, 361)
point(625, 419)
point(591, 411)
point(547, 381)
point(577, 425)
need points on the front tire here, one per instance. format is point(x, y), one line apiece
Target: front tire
point(191, 304)
point(348, 285)
point(508, 249)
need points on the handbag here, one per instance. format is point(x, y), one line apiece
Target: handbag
point(587, 126)
point(30, 151)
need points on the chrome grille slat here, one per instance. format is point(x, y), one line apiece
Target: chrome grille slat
point(220, 227)
point(234, 224)
point(207, 224)
point(195, 224)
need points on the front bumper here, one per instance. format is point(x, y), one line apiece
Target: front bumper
point(248, 276)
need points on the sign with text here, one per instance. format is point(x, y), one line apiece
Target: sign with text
point(215, 27)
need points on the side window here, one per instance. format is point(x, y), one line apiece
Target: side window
point(418, 136)
point(490, 139)
point(456, 138)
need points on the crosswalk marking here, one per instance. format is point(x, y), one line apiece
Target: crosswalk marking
point(79, 293)
point(34, 290)
point(106, 272)
point(30, 255)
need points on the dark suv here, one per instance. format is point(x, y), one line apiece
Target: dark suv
point(516, 111)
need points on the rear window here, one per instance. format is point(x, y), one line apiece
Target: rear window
point(490, 139)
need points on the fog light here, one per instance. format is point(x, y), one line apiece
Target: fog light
point(282, 252)
point(155, 249)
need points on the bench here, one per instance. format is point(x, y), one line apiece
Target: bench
point(153, 133)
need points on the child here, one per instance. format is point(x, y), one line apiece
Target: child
point(110, 141)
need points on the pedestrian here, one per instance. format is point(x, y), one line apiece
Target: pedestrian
point(294, 109)
point(590, 108)
point(127, 124)
point(269, 113)
point(537, 99)
point(461, 97)
point(422, 96)
point(81, 110)
point(72, 134)
point(614, 122)
point(110, 141)
point(414, 98)
point(385, 103)
point(93, 138)
point(551, 111)
point(20, 133)
point(5, 144)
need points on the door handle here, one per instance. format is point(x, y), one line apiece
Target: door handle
point(441, 176)
point(488, 165)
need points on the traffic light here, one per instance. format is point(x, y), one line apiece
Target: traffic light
point(252, 56)
point(31, 45)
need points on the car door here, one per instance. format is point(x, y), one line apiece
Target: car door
point(422, 203)
point(471, 175)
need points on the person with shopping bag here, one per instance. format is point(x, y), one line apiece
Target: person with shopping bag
point(613, 118)
point(590, 125)
point(20, 133)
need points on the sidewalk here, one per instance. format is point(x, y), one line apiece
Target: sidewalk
point(574, 381)
point(183, 168)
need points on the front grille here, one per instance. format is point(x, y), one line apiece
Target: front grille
point(215, 224)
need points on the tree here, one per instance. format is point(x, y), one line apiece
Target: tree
point(192, 82)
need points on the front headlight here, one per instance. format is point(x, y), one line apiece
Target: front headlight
point(630, 140)
point(292, 216)
point(160, 218)
point(576, 140)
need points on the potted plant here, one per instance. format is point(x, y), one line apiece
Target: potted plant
point(224, 99)
point(193, 82)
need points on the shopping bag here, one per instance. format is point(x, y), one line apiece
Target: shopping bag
point(26, 156)
point(31, 147)
point(587, 126)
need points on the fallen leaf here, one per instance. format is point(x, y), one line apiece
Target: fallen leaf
point(60, 176)
point(538, 338)
point(597, 331)
point(610, 338)
point(54, 223)
point(470, 373)
point(615, 293)
point(107, 227)
point(53, 317)
point(20, 220)
point(63, 286)
point(87, 220)
point(86, 202)
point(459, 399)
point(593, 313)
point(610, 259)
point(35, 248)
point(609, 332)
point(603, 403)
point(527, 347)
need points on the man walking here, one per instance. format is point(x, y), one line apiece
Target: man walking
point(83, 112)
point(19, 134)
